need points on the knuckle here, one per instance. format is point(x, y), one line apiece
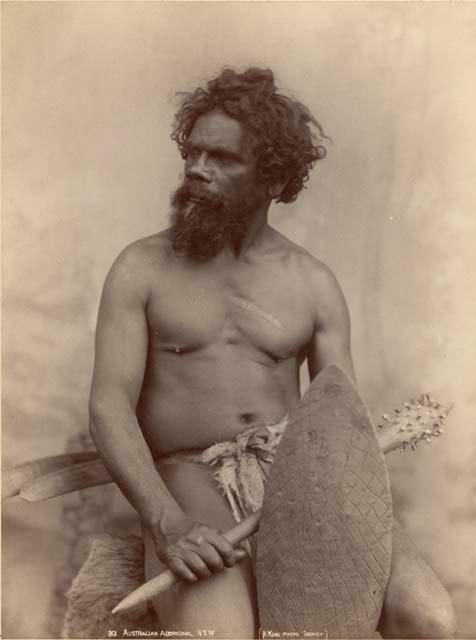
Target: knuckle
point(229, 559)
point(223, 542)
point(227, 548)
point(175, 564)
point(174, 561)
point(217, 565)
point(173, 552)
point(228, 552)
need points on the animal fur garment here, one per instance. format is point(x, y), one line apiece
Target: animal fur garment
point(114, 568)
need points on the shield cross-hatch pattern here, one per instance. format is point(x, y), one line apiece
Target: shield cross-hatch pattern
point(324, 542)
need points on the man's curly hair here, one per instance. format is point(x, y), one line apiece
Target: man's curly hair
point(286, 146)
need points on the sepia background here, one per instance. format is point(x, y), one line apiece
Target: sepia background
point(89, 92)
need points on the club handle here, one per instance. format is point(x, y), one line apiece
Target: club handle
point(167, 578)
point(237, 534)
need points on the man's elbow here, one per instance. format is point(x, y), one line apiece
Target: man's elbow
point(108, 411)
point(100, 414)
point(101, 423)
point(95, 407)
point(95, 419)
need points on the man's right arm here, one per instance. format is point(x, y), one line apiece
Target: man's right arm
point(120, 360)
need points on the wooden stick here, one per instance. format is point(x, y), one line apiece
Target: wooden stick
point(167, 578)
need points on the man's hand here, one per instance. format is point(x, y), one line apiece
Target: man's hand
point(193, 551)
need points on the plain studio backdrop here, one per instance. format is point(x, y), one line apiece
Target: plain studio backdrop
point(89, 93)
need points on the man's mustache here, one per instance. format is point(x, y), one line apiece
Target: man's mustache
point(195, 190)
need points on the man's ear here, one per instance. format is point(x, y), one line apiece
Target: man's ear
point(276, 187)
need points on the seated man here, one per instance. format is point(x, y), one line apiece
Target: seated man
point(202, 329)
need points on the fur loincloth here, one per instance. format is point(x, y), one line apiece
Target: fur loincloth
point(115, 566)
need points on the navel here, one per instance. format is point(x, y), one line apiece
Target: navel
point(174, 348)
point(247, 418)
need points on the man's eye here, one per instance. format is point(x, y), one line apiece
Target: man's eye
point(190, 153)
point(223, 159)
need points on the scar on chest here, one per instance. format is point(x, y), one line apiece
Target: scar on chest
point(255, 310)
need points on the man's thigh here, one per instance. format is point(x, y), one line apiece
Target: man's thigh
point(224, 603)
point(416, 604)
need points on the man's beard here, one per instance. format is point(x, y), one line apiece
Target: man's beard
point(203, 224)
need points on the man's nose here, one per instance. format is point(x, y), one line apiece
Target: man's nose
point(198, 167)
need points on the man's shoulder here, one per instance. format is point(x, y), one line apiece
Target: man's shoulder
point(309, 267)
point(137, 264)
point(318, 284)
point(144, 253)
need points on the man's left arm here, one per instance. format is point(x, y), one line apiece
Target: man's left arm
point(330, 342)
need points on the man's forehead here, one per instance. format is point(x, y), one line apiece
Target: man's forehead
point(216, 129)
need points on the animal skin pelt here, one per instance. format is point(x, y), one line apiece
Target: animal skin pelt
point(114, 568)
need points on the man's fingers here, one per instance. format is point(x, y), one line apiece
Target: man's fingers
point(210, 557)
point(240, 554)
point(188, 566)
point(224, 548)
point(178, 566)
point(202, 552)
point(197, 565)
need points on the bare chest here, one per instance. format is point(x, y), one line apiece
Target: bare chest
point(257, 311)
